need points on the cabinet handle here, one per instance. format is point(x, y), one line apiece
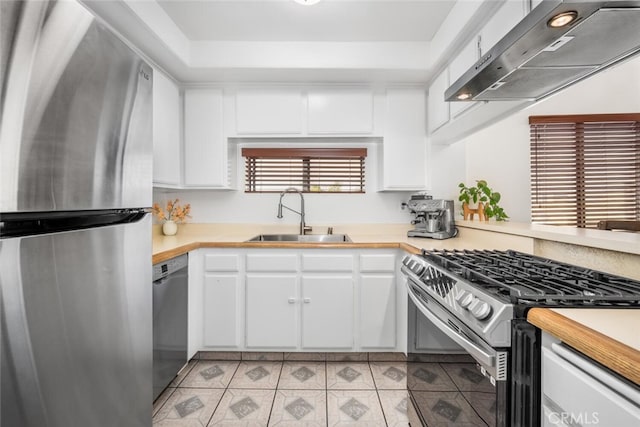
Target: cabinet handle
point(291, 300)
point(306, 300)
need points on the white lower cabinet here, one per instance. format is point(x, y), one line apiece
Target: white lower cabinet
point(296, 300)
point(327, 312)
point(271, 311)
point(578, 391)
point(221, 295)
point(378, 311)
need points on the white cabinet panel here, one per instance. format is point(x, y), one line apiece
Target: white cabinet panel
point(271, 311)
point(269, 112)
point(603, 399)
point(378, 311)
point(205, 147)
point(327, 312)
point(317, 262)
point(221, 311)
point(377, 263)
point(438, 109)
point(221, 262)
point(509, 14)
point(272, 262)
point(340, 111)
point(465, 60)
point(167, 158)
point(404, 149)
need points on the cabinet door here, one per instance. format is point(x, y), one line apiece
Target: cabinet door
point(438, 110)
point(340, 111)
point(327, 312)
point(205, 149)
point(269, 112)
point(221, 297)
point(377, 311)
point(271, 311)
point(509, 14)
point(167, 160)
point(465, 60)
point(404, 149)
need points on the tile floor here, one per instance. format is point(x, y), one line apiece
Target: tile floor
point(279, 389)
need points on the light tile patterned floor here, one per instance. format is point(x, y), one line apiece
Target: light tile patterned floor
point(332, 390)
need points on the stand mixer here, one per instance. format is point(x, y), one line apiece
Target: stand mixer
point(433, 217)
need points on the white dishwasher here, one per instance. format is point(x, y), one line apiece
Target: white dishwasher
point(170, 294)
point(576, 391)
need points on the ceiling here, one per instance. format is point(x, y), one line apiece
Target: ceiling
point(329, 20)
point(201, 41)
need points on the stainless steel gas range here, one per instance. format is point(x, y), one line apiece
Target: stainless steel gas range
point(472, 357)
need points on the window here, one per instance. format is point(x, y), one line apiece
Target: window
point(585, 169)
point(310, 170)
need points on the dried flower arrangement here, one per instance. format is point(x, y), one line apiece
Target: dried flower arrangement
point(172, 212)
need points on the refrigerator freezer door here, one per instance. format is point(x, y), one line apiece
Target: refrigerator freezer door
point(75, 130)
point(76, 340)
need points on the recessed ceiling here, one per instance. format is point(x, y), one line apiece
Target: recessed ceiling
point(329, 20)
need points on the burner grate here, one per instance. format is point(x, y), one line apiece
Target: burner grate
point(517, 277)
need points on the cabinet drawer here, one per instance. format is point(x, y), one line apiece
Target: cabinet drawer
point(370, 263)
point(284, 262)
point(332, 263)
point(219, 262)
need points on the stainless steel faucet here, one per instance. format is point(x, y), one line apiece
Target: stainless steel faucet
point(303, 227)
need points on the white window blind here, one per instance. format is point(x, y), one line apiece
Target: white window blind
point(310, 170)
point(585, 169)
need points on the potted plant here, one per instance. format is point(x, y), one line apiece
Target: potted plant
point(171, 216)
point(486, 199)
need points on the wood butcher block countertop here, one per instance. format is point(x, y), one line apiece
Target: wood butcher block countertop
point(608, 336)
point(194, 236)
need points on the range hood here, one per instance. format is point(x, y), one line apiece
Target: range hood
point(535, 60)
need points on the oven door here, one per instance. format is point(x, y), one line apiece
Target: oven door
point(454, 378)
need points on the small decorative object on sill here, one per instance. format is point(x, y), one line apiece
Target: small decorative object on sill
point(171, 216)
point(469, 213)
point(169, 228)
point(486, 199)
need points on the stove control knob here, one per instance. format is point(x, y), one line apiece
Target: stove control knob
point(481, 311)
point(473, 304)
point(418, 268)
point(464, 298)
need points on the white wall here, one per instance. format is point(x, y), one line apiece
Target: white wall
point(209, 206)
point(500, 153)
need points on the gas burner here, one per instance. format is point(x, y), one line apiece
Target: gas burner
point(517, 277)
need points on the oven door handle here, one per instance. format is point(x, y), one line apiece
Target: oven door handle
point(478, 353)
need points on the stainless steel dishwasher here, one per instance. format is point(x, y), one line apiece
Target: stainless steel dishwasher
point(170, 291)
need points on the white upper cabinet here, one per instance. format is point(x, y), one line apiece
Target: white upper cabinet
point(167, 158)
point(269, 112)
point(501, 23)
point(205, 147)
point(339, 111)
point(451, 121)
point(465, 60)
point(404, 150)
point(438, 109)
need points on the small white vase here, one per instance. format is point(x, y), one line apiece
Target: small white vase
point(169, 228)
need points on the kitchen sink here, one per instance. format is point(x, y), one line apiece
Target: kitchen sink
point(298, 238)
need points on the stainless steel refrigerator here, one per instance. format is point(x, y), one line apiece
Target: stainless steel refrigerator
point(75, 233)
